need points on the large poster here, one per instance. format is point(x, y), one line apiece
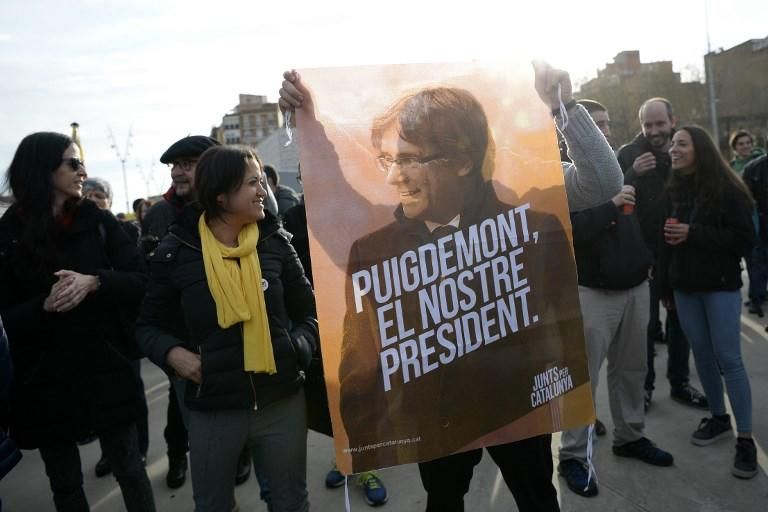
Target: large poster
point(444, 272)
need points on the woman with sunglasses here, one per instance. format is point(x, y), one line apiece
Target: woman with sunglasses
point(65, 268)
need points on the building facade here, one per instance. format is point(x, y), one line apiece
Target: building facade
point(740, 76)
point(252, 120)
point(624, 84)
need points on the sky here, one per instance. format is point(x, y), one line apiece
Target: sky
point(165, 69)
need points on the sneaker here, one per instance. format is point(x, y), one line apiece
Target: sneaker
point(334, 478)
point(576, 476)
point(711, 430)
point(691, 396)
point(745, 462)
point(599, 428)
point(375, 492)
point(644, 450)
point(102, 467)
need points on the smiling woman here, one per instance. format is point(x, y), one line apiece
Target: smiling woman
point(65, 268)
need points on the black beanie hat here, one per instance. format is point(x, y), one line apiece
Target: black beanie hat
point(191, 146)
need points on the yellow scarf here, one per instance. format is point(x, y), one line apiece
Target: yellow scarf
point(237, 291)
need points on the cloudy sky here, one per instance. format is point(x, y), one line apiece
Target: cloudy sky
point(169, 68)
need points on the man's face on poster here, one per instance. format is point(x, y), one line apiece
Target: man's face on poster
point(429, 185)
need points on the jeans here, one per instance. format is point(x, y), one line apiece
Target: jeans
point(757, 267)
point(712, 322)
point(120, 446)
point(526, 466)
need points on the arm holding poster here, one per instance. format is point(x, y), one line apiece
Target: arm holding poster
point(459, 324)
point(595, 176)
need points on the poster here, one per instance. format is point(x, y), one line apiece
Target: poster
point(441, 249)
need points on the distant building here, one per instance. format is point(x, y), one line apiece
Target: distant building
point(252, 120)
point(741, 88)
point(626, 82)
point(285, 159)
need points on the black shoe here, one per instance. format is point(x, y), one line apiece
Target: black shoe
point(745, 462)
point(102, 467)
point(243, 466)
point(691, 396)
point(644, 450)
point(177, 472)
point(599, 428)
point(756, 309)
point(576, 476)
point(711, 430)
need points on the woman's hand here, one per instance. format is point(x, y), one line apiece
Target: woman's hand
point(69, 291)
point(186, 364)
point(675, 234)
point(50, 300)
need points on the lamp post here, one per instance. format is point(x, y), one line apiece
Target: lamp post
point(711, 82)
point(123, 157)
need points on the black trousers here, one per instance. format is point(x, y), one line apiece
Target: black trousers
point(121, 447)
point(678, 355)
point(525, 465)
point(175, 433)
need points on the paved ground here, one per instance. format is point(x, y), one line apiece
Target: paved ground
point(699, 481)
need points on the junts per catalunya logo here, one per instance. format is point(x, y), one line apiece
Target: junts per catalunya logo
point(550, 384)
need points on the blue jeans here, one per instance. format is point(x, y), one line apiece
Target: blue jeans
point(757, 267)
point(712, 322)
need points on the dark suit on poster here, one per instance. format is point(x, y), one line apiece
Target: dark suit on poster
point(478, 393)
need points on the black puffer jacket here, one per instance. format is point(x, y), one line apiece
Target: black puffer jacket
point(710, 259)
point(649, 188)
point(179, 310)
point(70, 379)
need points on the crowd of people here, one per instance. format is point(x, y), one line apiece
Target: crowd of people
point(212, 283)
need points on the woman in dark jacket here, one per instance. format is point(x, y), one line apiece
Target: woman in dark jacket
point(65, 268)
point(707, 232)
point(230, 310)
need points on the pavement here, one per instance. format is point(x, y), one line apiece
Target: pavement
point(699, 481)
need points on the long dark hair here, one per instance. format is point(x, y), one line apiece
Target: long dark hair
point(30, 177)
point(713, 179)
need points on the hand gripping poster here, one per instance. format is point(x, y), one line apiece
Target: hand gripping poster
point(442, 260)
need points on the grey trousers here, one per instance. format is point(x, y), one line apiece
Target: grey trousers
point(278, 436)
point(615, 325)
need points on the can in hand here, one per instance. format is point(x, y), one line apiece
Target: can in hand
point(670, 220)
